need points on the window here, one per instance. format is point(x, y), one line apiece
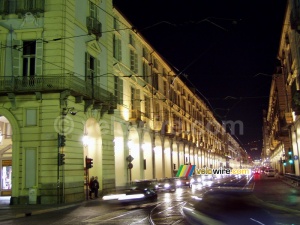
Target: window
point(119, 90)
point(135, 99)
point(165, 88)
point(146, 54)
point(155, 64)
point(93, 10)
point(131, 40)
point(116, 24)
point(156, 111)
point(91, 69)
point(133, 61)
point(145, 71)
point(32, 6)
point(165, 73)
point(147, 107)
point(117, 48)
point(93, 24)
point(166, 114)
point(155, 80)
point(29, 50)
point(27, 59)
point(31, 117)
point(21, 6)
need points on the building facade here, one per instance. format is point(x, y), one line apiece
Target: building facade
point(77, 82)
point(281, 122)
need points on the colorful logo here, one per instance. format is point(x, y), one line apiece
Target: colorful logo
point(185, 170)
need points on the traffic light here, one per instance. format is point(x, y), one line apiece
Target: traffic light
point(89, 162)
point(61, 159)
point(284, 162)
point(61, 140)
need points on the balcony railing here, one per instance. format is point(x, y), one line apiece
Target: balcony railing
point(135, 115)
point(22, 6)
point(77, 86)
point(94, 26)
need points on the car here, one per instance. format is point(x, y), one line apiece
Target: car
point(183, 181)
point(141, 184)
point(256, 171)
point(166, 184)
point(270, 173)
point(196, 179)
point(132, 195)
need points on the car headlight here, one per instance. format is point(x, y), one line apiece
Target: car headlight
point(199, 179)
point(167, 185)
point(192, 180)
point(178, 183)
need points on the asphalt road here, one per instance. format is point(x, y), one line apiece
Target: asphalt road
point(271, 201)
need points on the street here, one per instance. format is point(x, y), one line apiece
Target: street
point(267, 201)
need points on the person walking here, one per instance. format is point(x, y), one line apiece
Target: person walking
point(96, 186)
point(91, 187)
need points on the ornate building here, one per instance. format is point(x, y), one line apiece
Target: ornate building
point(76, 83)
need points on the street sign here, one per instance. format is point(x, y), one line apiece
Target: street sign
point(129, 158)
point(296, 157)
point(130, 166)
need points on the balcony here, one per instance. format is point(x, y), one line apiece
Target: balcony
point(51, 84)
point(288, 120)
point(22, 7)
point(94, 26)
point(135, 116)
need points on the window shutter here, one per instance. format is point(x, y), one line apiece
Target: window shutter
point(87, 66)
point(98, 67)
point(135, 63)
point(98, 79)
point(17, 57)
point(120, 91)
point(120, 50)
point(39, 58)
point(137, 100)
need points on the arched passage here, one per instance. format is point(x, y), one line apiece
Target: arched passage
point(119, 156)
point(148, 156)
point(135, 152)
point(9, 153)
point(167, 158)
point(93, 148)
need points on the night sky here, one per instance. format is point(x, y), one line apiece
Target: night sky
point(226, 50)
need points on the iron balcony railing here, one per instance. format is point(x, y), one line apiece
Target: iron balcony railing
point(77, 86)
point(21, 6)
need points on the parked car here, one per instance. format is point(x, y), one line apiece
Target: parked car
point(166, 184)
point(270, 172)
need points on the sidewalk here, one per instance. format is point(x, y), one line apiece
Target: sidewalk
point(8, 212)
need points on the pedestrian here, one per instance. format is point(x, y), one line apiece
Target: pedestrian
point(96, 186)
point(91, 187)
